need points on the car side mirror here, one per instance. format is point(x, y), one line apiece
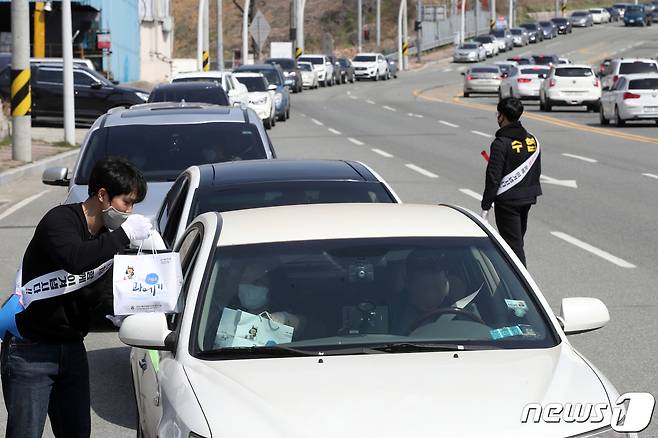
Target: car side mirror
point(147, 330)
point(463, 73)
point(580, 315)
point(56, 176)
point(271, 87)
point(96, 86)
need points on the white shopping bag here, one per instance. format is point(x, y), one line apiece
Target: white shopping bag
point(243, 329)
point(146, 283)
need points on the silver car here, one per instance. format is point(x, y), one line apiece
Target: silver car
point(162, 140)
point(470, 52)
point(504, 39)
point(520, 36)
point(582, 19)
point(482, 79)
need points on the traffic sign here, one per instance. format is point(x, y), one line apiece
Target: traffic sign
point(405, 48)
point(259, 28)
point(298, 52)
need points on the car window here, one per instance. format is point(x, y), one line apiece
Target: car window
point(571, 72)
point(81, 78)
point(212, 94)
point(188, 251)
point(534, 71)
point(271, 75)
point(286, 64)
point(170, 215)
point(52, 76)
point(364, 58)
point(253, 83)
point(643, 84)
point(619, 84)
point(366, 292)
point(162, 152)
point(469, 46)
point(627, 68)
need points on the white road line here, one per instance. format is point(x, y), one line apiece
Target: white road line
point(580, 157)
point(650, 175)
point(483, 134)
point(317, 122)
point(371, 102)
point(422, 171)
point(452, 125)
point(302, 114)
point(410, 114)
point(14, 208)
point(386, 107)
point(382, 153)
point(420, 116)
point(447, 70)
point(355, 141)
point(594, 250)
point(471, 193)
point(334, 131)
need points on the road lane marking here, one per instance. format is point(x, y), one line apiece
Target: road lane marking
point(650, 175)
point(422, 171)
point(14, 208)
point(317, 122)
point(302, 114)
point(571, 183)
point(410, 114)
point(483, 134)
point(334, 131)
point(471, 193)
point(353, 97)
point(592, 249)
point(386, 107)
point(419, 116)
point(580, 157)
point(382, 153)
point(355, 141)
point(371, 102)
point(452, 125)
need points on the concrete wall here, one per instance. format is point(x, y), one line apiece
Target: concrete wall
point(156, 50)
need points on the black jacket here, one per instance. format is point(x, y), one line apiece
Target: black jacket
point(512, 146)
point(62, 241)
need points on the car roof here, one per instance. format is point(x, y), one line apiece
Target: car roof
point(260, 171)
point(176, 113)
point(247, 67)
point(367, 54)
point(196, 85)
point(573, 66)
point(248, 74)
point(641, 76)
point(201, 74)
point(323, 221)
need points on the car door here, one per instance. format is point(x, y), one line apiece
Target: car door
point(618, 90)
point(90, 97)
point(48, 92)
point(148, 395)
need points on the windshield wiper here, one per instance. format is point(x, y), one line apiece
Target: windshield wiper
point(270, 351)
point(413, 347)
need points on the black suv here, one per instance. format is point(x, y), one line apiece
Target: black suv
point(94, 94)
point(346, 70)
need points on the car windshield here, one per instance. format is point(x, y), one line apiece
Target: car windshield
point(544, 60)
point(571, 72)
point(579, 14)
point(559, 20)
point(343, 62)
point(311, 59)
point(163, 151)
point(634, 8)
point(364, 58)
point(546, 23)
point(210, 94)
point(253, 83)
point(484, 39)
point(286, 64)
point(643, 84)
point(529, 26)
point(534, 71)
point(271, 194)
point(627, 68)
point(468, 46)
point(304, 66)
point(517, 32)
point(356, 296)
point(271, 75)
point(499, 33)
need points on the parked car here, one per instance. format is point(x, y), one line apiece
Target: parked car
point(370, 66)
point(535, 31)
point(636, 15)
point(549, 29)
point(347, 70)
point(162, 140)
point(570, 85)
point(309, 75)
point(261, 96)
point(265, 183)
point(520, 36)
point(470, 52)
point(546, 59)
point(490, 44)
point(523, 82)
point(482, 79)
point(204, 92)
point(339, 294)
point(274, 76)
point(563, 25)
point(80, 62)
point(292, 76)
point(94, 95)
point(582, 19)
point(619, 67)
point(633, 97)
point(621, 7)
point(323, 66)
point(237, 93)
point(600, 15)
point(615, 15)
point(503, 38)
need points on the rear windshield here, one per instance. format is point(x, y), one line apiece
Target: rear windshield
point(579, 14)
point(311, 59)
point(162, 152)
point(272, 76)
point(499, 33)
point(544, 60)
point(559, 20)
point(253, 83)
point(521, 61)
point(596, 11)
point(627, 68)
point(643, 84)
point(572, 72)
point(217, 79)
point(212, 94)
point(286, 64)
point(485, 70)
point(365, 58)
point(534, 71)
point(484, 39)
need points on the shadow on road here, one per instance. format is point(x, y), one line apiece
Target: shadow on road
point(112, 396)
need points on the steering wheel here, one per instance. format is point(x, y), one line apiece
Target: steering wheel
point(442, 311)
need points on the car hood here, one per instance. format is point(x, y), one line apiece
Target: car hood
point(149, 207)
point(394, 395)
point(258, 94)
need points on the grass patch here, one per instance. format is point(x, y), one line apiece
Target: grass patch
point(6, 141)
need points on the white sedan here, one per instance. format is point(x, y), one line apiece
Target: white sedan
point(309, 75)
point(261, 96)
point(384, 320)
point(523, 82)
point(633, 97)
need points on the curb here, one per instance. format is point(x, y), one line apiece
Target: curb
point(36, 167)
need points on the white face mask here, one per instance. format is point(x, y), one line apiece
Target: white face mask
point(113, 218)
point(253, 297)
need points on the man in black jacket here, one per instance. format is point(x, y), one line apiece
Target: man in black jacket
point(512, 178)
point(45, 370)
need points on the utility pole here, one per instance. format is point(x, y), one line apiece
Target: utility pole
point(379, 23)
point(419, 30)
point(21, 99)
point(477, 13)
point(39, 50)
point(67, 57)
point(463, 22)
point(359, 25)
point(300, 26)
point(245, 32)
point(493, 11)
point(220, 35)
point(510, 20)
point(199, 35)
point(206, 35)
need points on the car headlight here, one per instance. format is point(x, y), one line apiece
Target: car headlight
point(259, 101)
point(605, 432)
point(141, 95)
point(293, 73)
point(278, 97)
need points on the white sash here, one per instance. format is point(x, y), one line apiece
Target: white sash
point(515, 176)
point(55, 283)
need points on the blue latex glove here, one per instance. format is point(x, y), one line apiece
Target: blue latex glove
point(8, 317)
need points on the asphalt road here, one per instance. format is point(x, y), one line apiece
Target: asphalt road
point(593, 233)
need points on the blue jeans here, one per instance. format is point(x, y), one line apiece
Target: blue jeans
point(39, 379)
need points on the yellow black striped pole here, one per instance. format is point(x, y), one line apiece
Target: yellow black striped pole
point(492, 24)
point(21, 93)
point(298, 52)
point(405, 48)
point(206, 60)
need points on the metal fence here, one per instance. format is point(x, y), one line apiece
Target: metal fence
point(440, 33)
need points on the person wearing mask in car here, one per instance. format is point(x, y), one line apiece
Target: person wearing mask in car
point(512, 176)
point(43, 357)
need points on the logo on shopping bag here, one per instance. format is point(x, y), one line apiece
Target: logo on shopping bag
point(152, 278)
